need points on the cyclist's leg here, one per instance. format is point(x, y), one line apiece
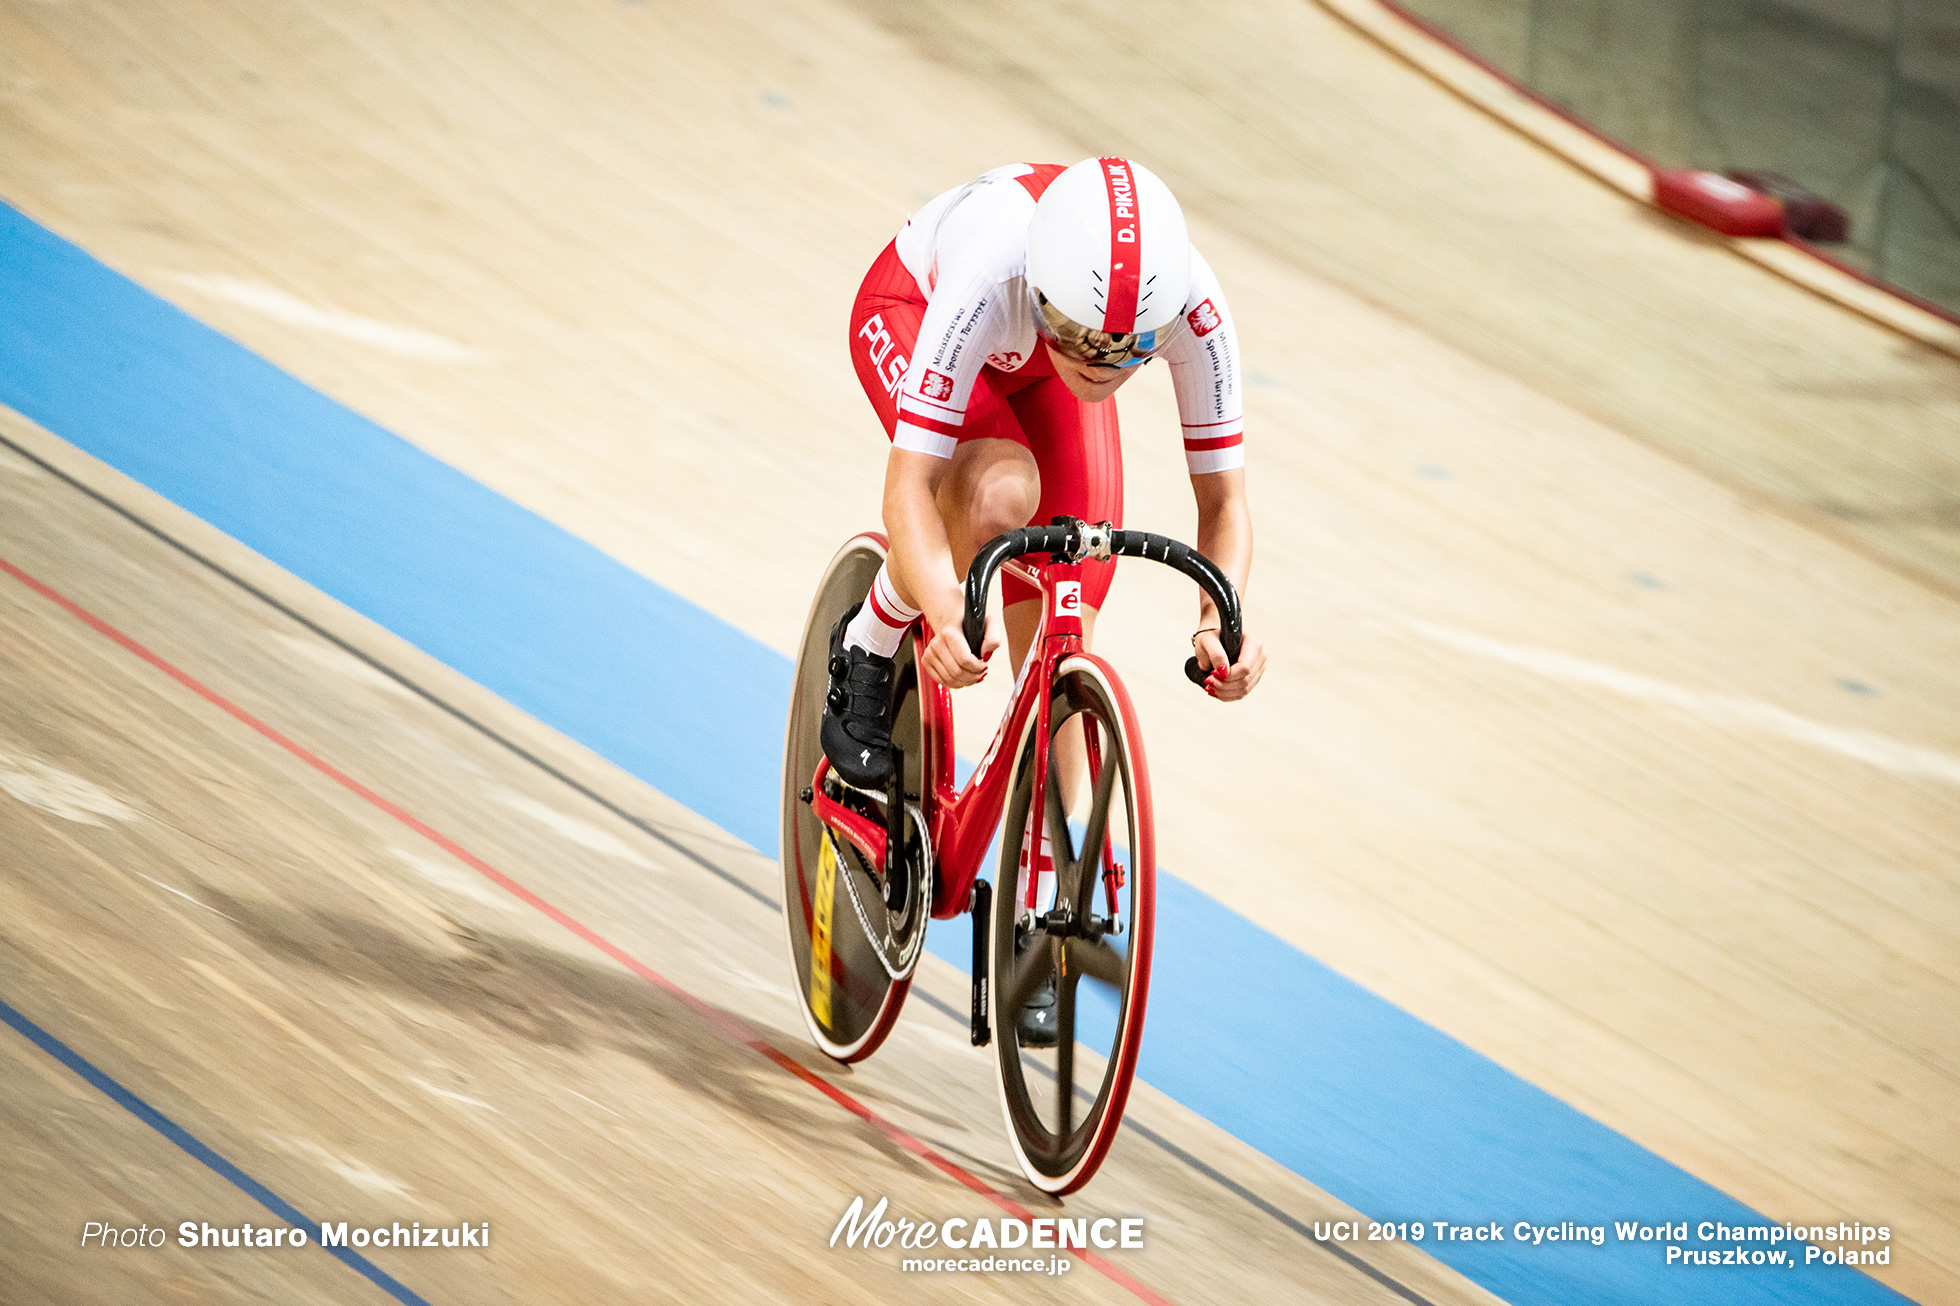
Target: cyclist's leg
point(991, 486)
point(858, 704)
point(993, 482)
point(884, 328)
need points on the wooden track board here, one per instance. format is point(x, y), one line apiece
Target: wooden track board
point(1499, 417)
point(358, 1018)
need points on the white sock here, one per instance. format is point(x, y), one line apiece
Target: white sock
point(881, 623)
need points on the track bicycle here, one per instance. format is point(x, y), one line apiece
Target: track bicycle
point(865, 871)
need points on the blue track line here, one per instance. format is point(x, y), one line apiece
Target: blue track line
point(177, 1134)
point(1383, 1111)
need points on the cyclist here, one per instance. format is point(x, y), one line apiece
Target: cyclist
point(990, 336)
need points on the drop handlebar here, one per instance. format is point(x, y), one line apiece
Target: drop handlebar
point(1070, 539)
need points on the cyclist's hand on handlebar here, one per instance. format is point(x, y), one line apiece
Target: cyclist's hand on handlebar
point(1233, 683)
point(952, 663)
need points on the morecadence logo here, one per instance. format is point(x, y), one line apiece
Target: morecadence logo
point(872, 1229)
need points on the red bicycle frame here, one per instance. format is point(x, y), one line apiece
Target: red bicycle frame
point(962, 822)
point(1022, 946)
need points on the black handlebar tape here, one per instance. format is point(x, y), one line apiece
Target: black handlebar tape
point(1002, 548)
point(1128, 544)
point(1182, 557)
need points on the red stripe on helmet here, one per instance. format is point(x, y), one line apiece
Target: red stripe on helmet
point(1125, 246)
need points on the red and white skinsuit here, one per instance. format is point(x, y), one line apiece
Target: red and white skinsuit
point(944, 343)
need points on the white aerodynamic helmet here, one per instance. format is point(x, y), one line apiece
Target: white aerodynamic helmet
point(1109, 262)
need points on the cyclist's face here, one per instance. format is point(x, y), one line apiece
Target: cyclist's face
point(1088, 383)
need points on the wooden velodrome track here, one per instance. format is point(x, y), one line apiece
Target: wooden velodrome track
point(1609, 583)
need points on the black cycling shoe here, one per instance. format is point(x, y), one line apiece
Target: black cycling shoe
point(857, 713)
point(1037, 1022)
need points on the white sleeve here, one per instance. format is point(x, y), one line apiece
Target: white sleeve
point(962, 322)
point(1204, 361)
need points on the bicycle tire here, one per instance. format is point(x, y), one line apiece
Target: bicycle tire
point(851, 1004)
point(1058, 1152)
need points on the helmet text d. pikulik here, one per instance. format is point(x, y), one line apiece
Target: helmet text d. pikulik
point(1109, 261)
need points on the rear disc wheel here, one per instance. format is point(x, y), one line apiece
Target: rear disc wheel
point(851, 956)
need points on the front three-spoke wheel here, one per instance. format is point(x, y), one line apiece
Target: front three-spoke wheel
point(1071, 949)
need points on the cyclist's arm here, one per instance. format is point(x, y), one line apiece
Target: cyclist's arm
point(921, 560)
point(1225, 536)
point(1224, 530)
point(960, 327)
point(1204, 361)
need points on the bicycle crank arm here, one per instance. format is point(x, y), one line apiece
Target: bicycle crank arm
point(895, 885)
point(983, 915)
